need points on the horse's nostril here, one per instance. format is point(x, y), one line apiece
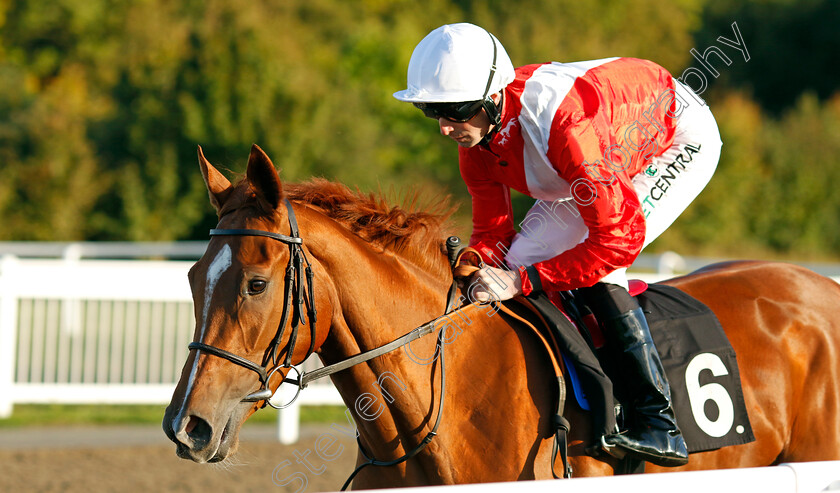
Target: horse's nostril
point(199, 432)
point(192, 423)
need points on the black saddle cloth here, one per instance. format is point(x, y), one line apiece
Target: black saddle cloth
point(699, 361)
point(701, 367)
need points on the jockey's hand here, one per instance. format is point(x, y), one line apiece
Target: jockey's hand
point(492, 284)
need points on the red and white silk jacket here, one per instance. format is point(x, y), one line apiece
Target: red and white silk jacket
point(577, 131)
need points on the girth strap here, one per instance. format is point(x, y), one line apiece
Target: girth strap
point(549, 340)
point(559, 423)
point(561, 443)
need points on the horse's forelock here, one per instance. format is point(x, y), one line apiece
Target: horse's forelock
point(244, 197)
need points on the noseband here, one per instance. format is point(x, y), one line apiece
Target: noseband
point(295, 294)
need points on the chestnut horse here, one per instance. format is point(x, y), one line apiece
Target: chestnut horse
point(379, 272)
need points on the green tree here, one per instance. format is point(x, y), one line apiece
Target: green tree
point(719, 221)
point(103, 102)
point(800, 205)
point(793, 46)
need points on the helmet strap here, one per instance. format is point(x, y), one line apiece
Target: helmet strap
point(490, 106)
point(494, 113)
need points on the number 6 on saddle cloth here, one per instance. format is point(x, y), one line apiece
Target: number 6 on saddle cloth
point(699, 361)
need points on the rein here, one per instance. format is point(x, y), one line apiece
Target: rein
point(295, 294)
point(452, 245)
point(299, 295)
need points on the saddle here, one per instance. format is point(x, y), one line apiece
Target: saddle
point(699, 361)
point(544, 320)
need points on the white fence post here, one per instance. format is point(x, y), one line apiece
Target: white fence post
point(71, 313)
point(8, 334)
point(669, 263)
point(288, 419)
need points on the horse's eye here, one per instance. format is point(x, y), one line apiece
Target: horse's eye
point(256, 286)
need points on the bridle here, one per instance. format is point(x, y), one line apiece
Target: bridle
point(295, 294)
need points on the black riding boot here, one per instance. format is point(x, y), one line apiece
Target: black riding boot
point(653, 434)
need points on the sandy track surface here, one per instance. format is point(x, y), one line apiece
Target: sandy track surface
point(140, 458)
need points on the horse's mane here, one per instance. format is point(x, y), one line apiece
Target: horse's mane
point(415, 231)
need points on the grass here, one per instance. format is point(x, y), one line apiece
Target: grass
point(74, 415)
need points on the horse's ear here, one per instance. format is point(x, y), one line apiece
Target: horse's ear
point(264, 179)
point(218, 186)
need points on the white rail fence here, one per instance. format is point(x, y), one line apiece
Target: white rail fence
point(84, 331)
point(103, 332)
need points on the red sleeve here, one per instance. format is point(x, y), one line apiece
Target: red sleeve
point(492, 212)
point(607, 203)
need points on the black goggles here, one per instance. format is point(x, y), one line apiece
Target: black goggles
point(456, 112)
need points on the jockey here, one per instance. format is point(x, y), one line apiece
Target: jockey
point(613, 150)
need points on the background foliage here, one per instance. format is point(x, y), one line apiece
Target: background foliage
point(103, 102)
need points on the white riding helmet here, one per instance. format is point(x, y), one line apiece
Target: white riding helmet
point(455, 63)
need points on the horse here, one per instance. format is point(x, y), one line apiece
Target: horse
point(377, 272)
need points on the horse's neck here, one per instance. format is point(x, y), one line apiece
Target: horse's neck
point(494, 374)
point(380, 294)
point(380, 297)
point(499, 392)
point(394, 398)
